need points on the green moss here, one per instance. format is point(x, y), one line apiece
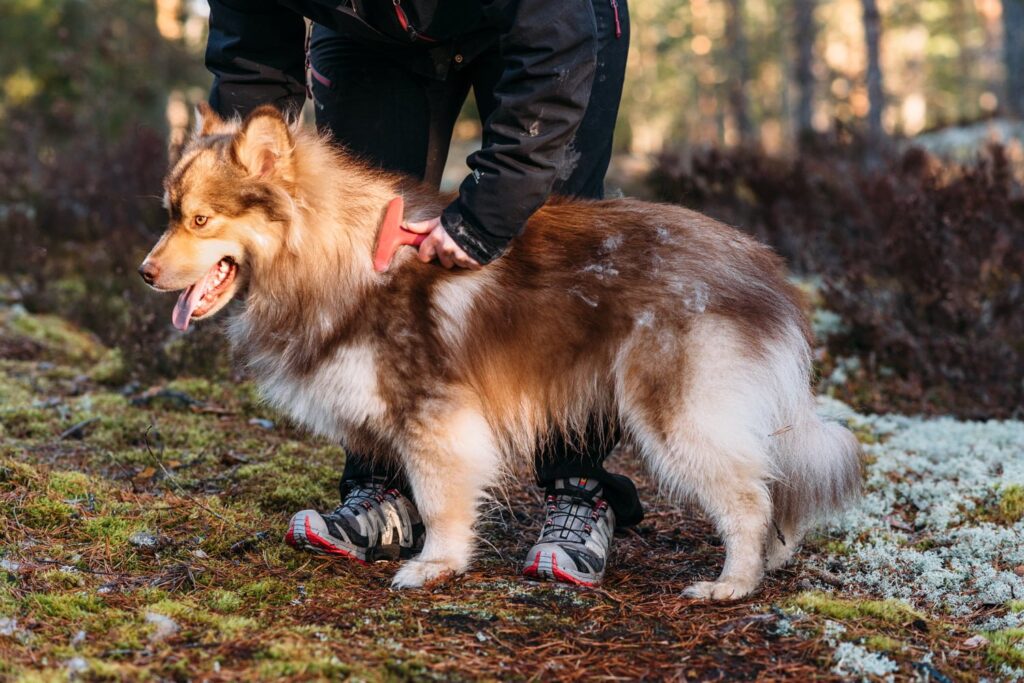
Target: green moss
point(59, 337)
point(17, 474)
point(296, 659)
point(111, 369)
point(119, 432)
point(891, 612)
point(864, 434)
point(297, 476)
point(175, 609)
point(65, 606)
point(880, 643)
point(224, 601)
point(58, 578)
point(267, 591)
point(836, 548)
point(43, 676)
point(13, 394)
point(231, 626)
point(113, 529)
point(9, 602)
point(1015, 606)
point(30, 423)
point(71, 484)
point(1004, 647)
point(1005, 506)
point(1011, 503)
point(45, 513)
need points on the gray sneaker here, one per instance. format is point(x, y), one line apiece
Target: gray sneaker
point(372, 523)
point(576, 540)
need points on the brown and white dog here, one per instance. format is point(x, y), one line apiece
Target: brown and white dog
point(682, 329)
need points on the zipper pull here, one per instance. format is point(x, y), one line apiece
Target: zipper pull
point(615, 12)
point(403, 19)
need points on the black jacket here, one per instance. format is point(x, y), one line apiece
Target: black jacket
point(256, 54)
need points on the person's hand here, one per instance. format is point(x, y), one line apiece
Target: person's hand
point(439, 244)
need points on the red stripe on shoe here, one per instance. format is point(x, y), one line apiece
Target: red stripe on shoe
point(566, 577)
point(313, 539)
point(533, 569)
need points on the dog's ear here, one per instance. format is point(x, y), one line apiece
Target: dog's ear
point(208, 121)
point(264, 145)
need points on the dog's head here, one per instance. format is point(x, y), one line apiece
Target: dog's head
point(229, 203)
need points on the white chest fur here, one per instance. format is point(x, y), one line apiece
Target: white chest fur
point(341, 393)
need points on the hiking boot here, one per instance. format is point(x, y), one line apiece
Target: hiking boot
point(372, 523)
point(576, 540)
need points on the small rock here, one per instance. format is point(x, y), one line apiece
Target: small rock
point(143, 539)
point(10, 566)
point(199, 553)
point(481, 637)
point(301, 595)
point(260, 422)
point(975, 642)
point(78, 639)
point(165, 626)
point(8, 626)
point(77, 665)
point(1019, 570)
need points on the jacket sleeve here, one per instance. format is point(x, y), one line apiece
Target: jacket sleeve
point(549, 54)
point(256, 54)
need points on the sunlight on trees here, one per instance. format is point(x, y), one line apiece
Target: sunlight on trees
point(704, 72)
point(806, 66)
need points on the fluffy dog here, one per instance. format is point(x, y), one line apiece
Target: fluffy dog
point(681, 329)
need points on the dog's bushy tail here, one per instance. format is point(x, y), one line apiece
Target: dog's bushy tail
point(820, 469)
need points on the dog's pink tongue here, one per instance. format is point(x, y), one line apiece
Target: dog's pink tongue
point(189, 299)
point(187, 302)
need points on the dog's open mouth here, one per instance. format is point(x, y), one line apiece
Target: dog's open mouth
point(202, 297)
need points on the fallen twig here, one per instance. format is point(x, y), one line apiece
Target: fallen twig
point(78, 430)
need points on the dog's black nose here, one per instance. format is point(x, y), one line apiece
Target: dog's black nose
point(149, 271)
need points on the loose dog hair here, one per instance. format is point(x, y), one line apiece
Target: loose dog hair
point(681, 330)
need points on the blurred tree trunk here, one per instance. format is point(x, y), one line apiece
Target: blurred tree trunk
point(1013, 55)
point(965, 58)
point(740, 69)
point(804, 35)
point(876, 90)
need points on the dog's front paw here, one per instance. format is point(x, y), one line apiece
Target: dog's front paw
point(417, 573)
point(721, 590)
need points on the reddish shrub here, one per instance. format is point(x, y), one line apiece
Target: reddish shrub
point(923, 261)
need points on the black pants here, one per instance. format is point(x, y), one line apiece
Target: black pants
point(403, 122)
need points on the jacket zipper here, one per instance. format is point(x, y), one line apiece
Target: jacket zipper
point(615, 12)
point(403, 20)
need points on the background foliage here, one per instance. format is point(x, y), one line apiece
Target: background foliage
point(919, 257)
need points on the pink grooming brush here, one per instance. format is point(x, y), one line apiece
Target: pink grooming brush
point(393, 235)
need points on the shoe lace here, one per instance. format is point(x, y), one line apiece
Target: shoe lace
point(363, 496)
point(571, 518)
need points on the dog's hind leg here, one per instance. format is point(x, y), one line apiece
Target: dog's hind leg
point(731, 489)
point(700, 432)
point(783, 540)
point(449, 467)
point(740, 510)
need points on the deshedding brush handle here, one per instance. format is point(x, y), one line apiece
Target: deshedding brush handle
point(393, 235)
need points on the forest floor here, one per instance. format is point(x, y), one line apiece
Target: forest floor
point(140, 538)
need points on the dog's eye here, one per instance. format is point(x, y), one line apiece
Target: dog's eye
point(201, 220)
